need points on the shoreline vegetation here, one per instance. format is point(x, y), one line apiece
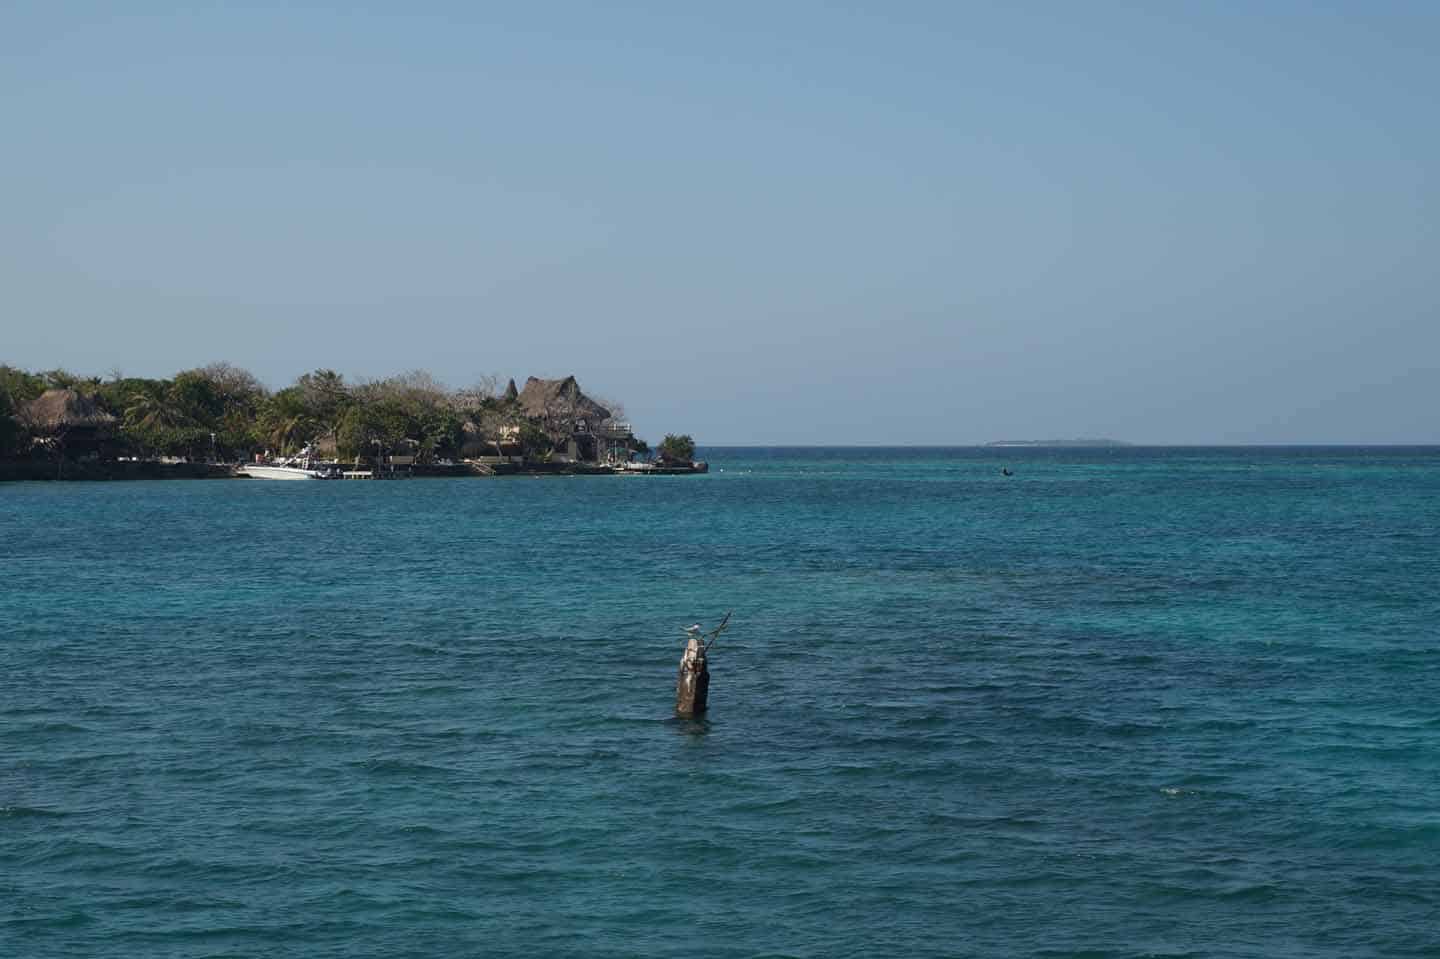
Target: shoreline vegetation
point(209, 421)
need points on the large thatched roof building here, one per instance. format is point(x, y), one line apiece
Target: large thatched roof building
point(578, 428)
point(572, 420)
point(63, 411)
point(65, 422)
point(560, 399)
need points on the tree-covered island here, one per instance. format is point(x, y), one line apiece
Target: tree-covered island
point(223, 414)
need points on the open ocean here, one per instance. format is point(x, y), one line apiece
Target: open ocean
point(1130, 702)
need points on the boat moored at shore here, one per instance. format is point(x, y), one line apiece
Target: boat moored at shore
point(278, 472)
point(302, 466)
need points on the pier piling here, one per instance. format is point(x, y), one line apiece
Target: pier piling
point(692, 686)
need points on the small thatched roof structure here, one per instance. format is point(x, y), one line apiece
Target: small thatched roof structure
point(56, 411)
point(552, 399)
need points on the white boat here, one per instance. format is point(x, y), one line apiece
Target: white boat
point(275, 472)
point(300, 467)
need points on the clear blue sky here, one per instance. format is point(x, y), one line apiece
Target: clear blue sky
point(754, 222)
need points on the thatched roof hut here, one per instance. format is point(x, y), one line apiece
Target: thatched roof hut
point(560, 399)
point(60, 411)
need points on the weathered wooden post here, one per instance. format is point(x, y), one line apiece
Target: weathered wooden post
point(692, 686)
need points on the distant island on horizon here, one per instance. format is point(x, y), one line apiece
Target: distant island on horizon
point(1073, 443)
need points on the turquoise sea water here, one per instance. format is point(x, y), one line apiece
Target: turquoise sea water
point(1133, 702)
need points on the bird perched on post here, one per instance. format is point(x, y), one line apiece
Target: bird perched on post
point(692, 686)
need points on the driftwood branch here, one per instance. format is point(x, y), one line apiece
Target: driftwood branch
point(715, 633)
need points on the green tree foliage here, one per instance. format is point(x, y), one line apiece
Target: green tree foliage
point(20, 386)
point(373, 429)
point(412, 409)
point(285, 423)
point(677, 449)
point(151, 426)
point(438, 430)
point(179, 417)
point(9, 427)
point(534, 441)
point(326, 399)
point(117, 395)
point(194, 399)
point(16, 389)
point(59, 379)
point(392, 423)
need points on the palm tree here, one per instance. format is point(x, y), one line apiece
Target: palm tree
point(287, 431)
point(286, 422)
point(147, 412)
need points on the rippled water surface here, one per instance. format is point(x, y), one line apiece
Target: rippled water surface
point(1134, 702)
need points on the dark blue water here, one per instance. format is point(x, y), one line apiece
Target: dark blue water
point(1134, 702)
